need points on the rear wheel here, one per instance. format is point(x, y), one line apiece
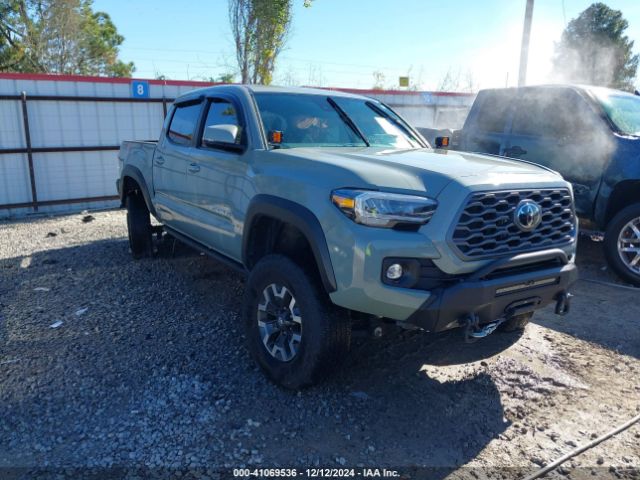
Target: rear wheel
point(292, 330)
point(139, 226)
point(514, 324)
point(622, 244)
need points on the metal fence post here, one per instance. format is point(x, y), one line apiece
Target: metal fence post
point(27, 137)
point(30, 150)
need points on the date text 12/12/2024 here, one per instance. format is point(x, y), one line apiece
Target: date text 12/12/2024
point(315, 472)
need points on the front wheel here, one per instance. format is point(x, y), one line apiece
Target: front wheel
point(622, 244)
point(292, 330)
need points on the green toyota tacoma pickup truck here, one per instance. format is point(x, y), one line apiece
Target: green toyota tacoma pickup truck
point(339, 211)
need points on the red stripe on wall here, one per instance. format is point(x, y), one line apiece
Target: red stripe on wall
point(82, 78)
point(192, 83)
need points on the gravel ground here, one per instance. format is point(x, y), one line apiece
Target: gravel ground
point(110, 362)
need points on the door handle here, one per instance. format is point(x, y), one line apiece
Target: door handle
point(515, 150)
point(159, 159)
point(194, 168)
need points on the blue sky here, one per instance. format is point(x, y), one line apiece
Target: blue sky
point(342, 42)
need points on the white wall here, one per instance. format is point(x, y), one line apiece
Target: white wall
point(60, 176)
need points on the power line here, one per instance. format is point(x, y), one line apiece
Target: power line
point(200, 66)
point(283, 57)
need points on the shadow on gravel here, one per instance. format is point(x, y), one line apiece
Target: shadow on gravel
point(385, 403)
point(605, 315)
point(425, 413)
point(602, 314)
point(148, 365)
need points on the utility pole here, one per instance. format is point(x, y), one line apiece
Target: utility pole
point(524, 49)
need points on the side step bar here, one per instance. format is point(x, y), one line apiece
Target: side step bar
point(210, 252)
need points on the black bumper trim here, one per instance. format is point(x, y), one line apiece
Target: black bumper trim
point(494, 298)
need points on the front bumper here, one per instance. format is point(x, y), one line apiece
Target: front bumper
point(504, 288)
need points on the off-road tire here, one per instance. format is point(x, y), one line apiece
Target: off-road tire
point(611, 237)
point(139, 226)
point(325, 332)
point(517, 323)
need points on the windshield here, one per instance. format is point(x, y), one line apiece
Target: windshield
point(623, 110)
point(319, 121)
point(380, 125)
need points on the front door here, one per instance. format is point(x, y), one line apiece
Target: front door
point(485, 129)
point(558, 128)
point(218, 181)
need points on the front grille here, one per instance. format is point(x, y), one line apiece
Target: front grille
point(486, 226)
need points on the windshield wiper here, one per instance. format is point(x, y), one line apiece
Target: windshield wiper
point(345, 118)
point(395, 121)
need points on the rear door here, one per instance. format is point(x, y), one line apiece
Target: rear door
point(486, 126)
point(558, 128)
point(219, 187)
point(170, 162)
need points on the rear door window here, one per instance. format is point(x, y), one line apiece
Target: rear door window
point(183, 124)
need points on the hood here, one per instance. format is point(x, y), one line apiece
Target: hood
point(423, 170)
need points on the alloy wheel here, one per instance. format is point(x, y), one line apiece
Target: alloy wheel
point(280, 322)
point(629, 245)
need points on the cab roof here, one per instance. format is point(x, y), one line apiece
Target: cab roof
point(194, 94)
point(552, 86)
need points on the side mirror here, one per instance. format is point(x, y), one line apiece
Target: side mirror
point(442, 142)
point(217, 134)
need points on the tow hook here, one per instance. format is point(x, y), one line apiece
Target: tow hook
point(563, 305)
point(473, 331)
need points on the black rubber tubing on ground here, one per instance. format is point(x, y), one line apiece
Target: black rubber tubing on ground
point(579, 450)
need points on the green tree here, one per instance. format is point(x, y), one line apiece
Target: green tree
point(59, 36)
point(225, 78)
point(594, 50)
point(260, 29)
point(222, 78)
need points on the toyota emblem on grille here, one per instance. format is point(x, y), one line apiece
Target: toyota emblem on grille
point(528, 215)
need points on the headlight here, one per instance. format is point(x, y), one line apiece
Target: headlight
point(382, 209)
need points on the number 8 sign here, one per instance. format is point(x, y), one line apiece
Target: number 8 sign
point(140, 89)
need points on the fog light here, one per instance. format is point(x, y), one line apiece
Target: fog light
point(394, 272)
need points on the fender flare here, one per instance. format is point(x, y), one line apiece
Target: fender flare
point(612, 199)
point(300, 217)
point(135, 173)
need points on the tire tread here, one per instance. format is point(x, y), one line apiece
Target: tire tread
point(139, 226)
point(331, 329)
